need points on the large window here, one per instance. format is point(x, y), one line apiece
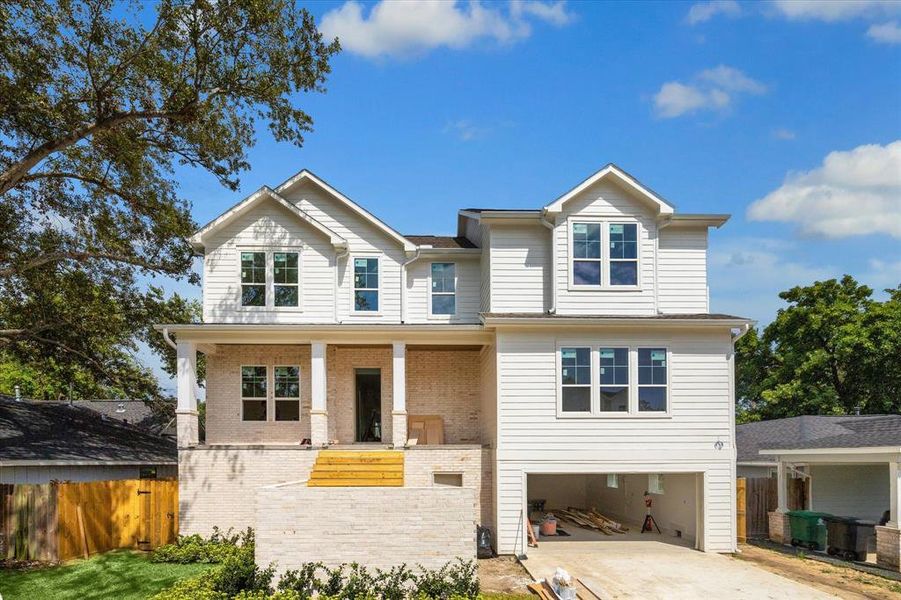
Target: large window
point(586, 253)
point(287, 393)
point(253, 279)
point(444, 289)
point(366, 284)
point(575, 373)
point(285, 277)
point(253, 393)
point(623, 254)
point(614, 377)
point(652, 379)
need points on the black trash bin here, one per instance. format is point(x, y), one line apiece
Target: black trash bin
point(866, 530)
point(848, 537)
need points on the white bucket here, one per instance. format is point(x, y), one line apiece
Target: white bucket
point(536, 529)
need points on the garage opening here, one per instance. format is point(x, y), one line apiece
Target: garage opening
point(581, 503)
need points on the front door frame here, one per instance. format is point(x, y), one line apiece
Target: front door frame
point(356, 405)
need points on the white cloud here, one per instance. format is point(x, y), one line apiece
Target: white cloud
point(465, 130)
point(396, 28)
point(784, 134)
point(712, 89)
point(704, 11)
point(853, 193)
point(886, 33)
point(835, 10)
point(882, 274)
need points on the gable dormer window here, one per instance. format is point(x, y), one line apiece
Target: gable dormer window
point(586, 254)
point(366, 284)
point(285, 275)
point(253, 279)
point(623, 254)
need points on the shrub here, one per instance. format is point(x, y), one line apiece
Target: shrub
point(303, 581)
point(200, 587)
point(453, 580)
point(394, 584)
point(239, 573)
point(195, 549)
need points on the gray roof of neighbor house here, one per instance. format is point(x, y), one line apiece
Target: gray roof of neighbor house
point(59, 432)
point(134, 412)
point(441, 241)
point(815, 431)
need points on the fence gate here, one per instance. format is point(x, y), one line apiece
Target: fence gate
point(741, 509)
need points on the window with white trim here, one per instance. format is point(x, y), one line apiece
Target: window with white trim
point(286, 390)
point(253, 393)
point(575, 377)
point(652, 380)
point(655, 483)
point(586, 263)
point(623, 254)
point(285, 278)
point(614, 379)
point(612, 480)
point(253, 279)
point(366, 284)
point(444, 288)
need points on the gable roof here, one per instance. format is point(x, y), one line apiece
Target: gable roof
point(252, 200)
point(612, 171)
point(441, 241)
point(134, 412)
point(816, 431)
point(58, 432)
point(353, 206)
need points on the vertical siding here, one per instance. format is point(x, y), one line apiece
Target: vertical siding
point(682, 270)
point(850, 490)
point(468, 284)
point(519, 264)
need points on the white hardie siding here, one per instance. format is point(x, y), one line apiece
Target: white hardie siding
point(682, 270)
point(519, 266)
point(468, 283)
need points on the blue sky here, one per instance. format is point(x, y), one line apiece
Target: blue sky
point(719, 107)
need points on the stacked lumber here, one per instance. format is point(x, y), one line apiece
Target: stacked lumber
point(543, 590)
point(591, 519)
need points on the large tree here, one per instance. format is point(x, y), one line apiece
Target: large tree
point(100, 103)
point(833, 350)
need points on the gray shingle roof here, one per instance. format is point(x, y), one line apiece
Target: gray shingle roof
point(134, 412)
point(441, 241)
point(816, 431)
point(58, 431)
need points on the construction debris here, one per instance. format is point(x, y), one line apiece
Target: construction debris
point(590, 519)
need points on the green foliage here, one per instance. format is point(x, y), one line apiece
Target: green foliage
point(453, 580)
point(100, 103)
point(828, 352)
point(218, 548)
point(302, 581)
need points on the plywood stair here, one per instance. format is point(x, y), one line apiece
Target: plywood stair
point(368, 468)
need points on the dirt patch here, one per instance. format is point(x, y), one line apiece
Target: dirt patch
point(503, 574)
point(843, 582)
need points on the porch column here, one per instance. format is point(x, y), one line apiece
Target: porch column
point(186, 423)
point(888, 538)
point(318, 411)
point(782, 486)
point(399, 386)
point(778, 523)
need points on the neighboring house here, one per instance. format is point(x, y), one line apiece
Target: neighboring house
point(853, 466)
point(43, 441)
point(565, 352)
point(136, 412)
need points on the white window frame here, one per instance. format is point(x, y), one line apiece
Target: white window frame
point(269, 252)
point(276, 399)
point(614, 480)
point(560, 385)
point(253, 399)
point(570, 228)
point(666, 386)
point(629, 392)
point(636, 260)
point(605, 260)
point(354, 288)
point(656, 484)
point(454, 294)
point(241, 284)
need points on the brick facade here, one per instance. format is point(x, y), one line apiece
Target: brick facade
point(446, 383)
point(888, 547)
point(473, 463)
point(341, 362)
point(428, 526)
point(779, 527)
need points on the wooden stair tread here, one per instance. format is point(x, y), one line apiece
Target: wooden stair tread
point(359, 467)
point(357, 475)
point(355, 483)
point(366, 468)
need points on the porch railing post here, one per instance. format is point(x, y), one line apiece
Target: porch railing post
point(399, 387)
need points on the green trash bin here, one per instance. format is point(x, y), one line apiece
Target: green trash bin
point(808, 528)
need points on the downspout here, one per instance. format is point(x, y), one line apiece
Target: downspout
point(338, 257)
point(741, 333)
point(403, 286)
point(169, 339)
point(553, 307)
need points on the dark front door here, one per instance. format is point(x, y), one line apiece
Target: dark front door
point(369, 404)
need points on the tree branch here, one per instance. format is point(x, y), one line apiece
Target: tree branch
point(81, 257)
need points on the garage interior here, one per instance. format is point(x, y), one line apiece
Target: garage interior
point(676, 504)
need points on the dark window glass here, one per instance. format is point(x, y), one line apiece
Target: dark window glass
point(366, 284)
point(253, 279)
point(287, 382)
point(614, 379)
point(285, 275)
point(287, 410)
point(623, 272)
point(586, 272)
point(253, 382)
point(623, 254)
point(586, 253)
point(652, 379)
point(254, 410)
point(444, 289)
point(575, 375)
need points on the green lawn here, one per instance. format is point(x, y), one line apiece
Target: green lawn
point(119, 575)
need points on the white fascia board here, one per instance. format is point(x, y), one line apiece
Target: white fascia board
point(613, 322)
point(691, 220)
point(832, 451)
point(392, 233)
point(663, 207)
point(755, 463)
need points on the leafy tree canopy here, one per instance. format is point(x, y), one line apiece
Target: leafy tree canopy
point(833, 350)
point(100, 102)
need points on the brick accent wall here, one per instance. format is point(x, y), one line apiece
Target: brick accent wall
point(474, 463)
point(779, 527)
point(223, 395)
point(446, 383)
point(888, 547)
point(341, 361)
point(376, 527)
point(217, 486)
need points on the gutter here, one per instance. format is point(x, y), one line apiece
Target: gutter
point(744, 329)
point(403, 285)
point(169, 339)
point(552, 309)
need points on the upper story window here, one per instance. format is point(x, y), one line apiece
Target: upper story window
point(285, 277)
point(444, 289)
point(575, 375)
point(253, 393)
point(652, 380)
point(270, 279)
point(366, 284)
point(287, 393)
point(614, 377)
point(253, 279)
point(586, 253)
point(623, 254)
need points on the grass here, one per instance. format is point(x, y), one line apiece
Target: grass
point(120, 574)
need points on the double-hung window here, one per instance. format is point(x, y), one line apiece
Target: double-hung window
point(253, 279)
point(614, 378)
point(623, 254)
point(366, 284)
point(652, 380)
point(586, 254)
point(287, 393)
point(444, 289)
point(253, 393)
point(575, 375)
point(285, 278)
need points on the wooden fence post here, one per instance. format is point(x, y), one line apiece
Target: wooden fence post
point(741, 499)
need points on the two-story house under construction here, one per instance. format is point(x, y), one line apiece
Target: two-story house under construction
point(374, 396)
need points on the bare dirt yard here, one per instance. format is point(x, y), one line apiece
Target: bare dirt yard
point(503, 575)
point(843, 582)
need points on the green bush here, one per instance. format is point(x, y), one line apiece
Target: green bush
point(201, 587)
point(195, 549)
point(453, 580)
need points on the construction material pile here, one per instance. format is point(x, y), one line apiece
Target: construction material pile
point(590, 519)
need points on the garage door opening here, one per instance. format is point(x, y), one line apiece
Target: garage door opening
point(677, 506)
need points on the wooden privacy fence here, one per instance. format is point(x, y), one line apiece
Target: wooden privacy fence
point(757, 496)
point(59, 521)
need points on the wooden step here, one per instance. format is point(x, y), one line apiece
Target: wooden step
point(360, 461)
point(357, 475)
point(356, 467)
point(361, 453)
point(356, 483)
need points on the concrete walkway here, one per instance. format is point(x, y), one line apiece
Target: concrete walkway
point(652, 566)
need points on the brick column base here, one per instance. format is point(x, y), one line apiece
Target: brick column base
point(888, 547)
point(187, 429)
point(318, 428)
point(399, 429)
point(779, 527)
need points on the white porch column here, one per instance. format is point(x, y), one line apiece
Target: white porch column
point(318, 410)
point(782, 486)
point(894, 474)
point(399, 387)
point(186, 425)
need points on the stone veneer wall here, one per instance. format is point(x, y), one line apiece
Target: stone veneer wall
point(376, 527)
point(888, 547)
point(473, 463)
point(779, 527)
point(446, 383)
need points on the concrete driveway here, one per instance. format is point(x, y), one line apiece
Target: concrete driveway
point(646, 566)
